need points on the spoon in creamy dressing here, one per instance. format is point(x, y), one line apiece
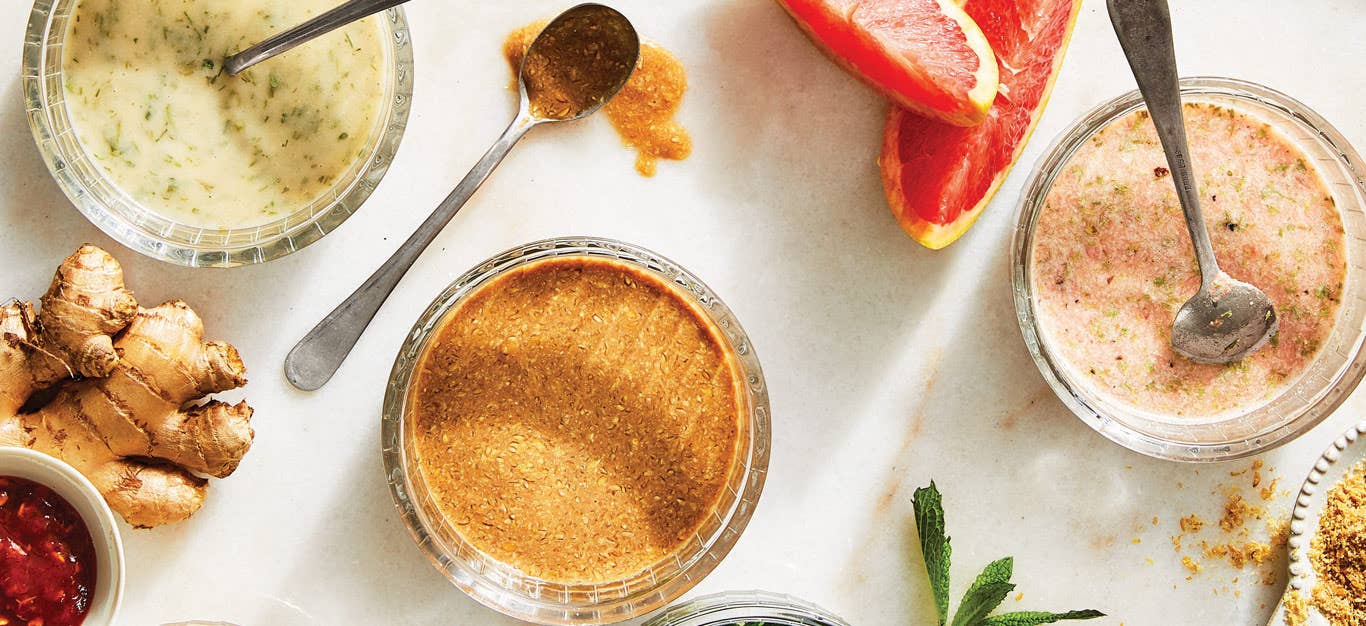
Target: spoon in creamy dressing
point(581, 59)
point(321, 25)
point(1227, 319)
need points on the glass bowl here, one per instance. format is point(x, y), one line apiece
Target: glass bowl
point(741, 608)
point(1322, 387)
point(120, 216)
point(502, 587)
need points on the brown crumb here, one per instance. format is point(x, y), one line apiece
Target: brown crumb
point(1338, 552)
point(1154, 520)
point(1190, 564)
point(1235, 540)
point(1257, 552)
point(1280, 532)
point(1296, 611)
point(1236, 512)
point(1239, 555)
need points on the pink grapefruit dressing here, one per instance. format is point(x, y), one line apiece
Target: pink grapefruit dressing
point(1112, 261)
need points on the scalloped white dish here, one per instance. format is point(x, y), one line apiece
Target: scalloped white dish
point(1341, 456)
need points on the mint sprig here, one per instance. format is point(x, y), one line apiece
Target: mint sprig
point(1035, 618)
point(989, 589)
point(934, 545)
point(986, 593)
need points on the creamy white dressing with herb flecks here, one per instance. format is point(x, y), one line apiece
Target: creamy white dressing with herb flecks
point(150, 102)
point(1112, 261)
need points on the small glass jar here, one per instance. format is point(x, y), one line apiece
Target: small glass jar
point(1320, 389)
point(504, 588)
point(743, 608)
point(120, 216)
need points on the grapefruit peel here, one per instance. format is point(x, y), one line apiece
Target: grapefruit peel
point(927, 56)
point(957, 159)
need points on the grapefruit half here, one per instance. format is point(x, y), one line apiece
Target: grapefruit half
point(926, 56)
point(939, 177)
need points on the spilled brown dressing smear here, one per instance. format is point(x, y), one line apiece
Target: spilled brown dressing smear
point(643, 111)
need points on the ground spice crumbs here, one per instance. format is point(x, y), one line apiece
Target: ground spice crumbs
point(1296, 610)
point(1338, 552)
point(643, 111)
point(1236, 540)
point(577, 419)
point(1239, 555)
point(1280, 532)
point(1236, 511)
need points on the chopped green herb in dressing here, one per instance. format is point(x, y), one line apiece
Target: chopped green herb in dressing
point(152, 105)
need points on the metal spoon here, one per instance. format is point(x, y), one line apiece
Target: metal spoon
point(307, 31)
point(581, 59)
point(1227, 319)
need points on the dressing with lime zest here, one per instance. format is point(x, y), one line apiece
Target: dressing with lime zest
point(1112, 261)
point(152, 105)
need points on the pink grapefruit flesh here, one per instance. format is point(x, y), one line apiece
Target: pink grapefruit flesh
point(939, 177)
point(927, 56)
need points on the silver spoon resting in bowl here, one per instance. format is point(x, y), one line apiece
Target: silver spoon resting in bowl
point(312, 29)
point(579, 61)
point(1227, 319)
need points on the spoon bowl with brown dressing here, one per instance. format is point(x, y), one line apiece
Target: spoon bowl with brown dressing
point(573, 68)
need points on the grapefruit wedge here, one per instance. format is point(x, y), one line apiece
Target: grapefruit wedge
point(926, 56)
point(939, 177)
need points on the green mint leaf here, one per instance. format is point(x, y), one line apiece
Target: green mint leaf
point(1035, 618)
point(934, 545)
point(986, 593)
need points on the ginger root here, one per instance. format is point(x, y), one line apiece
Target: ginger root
point(117, 388)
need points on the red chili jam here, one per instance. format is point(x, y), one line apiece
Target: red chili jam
point(47, 558)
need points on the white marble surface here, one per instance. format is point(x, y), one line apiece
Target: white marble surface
point(889, 365)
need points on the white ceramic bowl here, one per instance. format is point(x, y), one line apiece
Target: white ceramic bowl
point(89, 504)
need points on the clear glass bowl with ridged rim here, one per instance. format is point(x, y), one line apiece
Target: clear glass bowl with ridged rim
point(116, 213)
point(745, 608)
point(504, 588)
point(1329, 379)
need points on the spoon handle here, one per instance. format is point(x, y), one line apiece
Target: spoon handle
point(307, 31)
point(1144, 28)
point(317, 356)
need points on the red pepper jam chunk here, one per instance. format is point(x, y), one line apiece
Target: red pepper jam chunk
point(47, 558)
